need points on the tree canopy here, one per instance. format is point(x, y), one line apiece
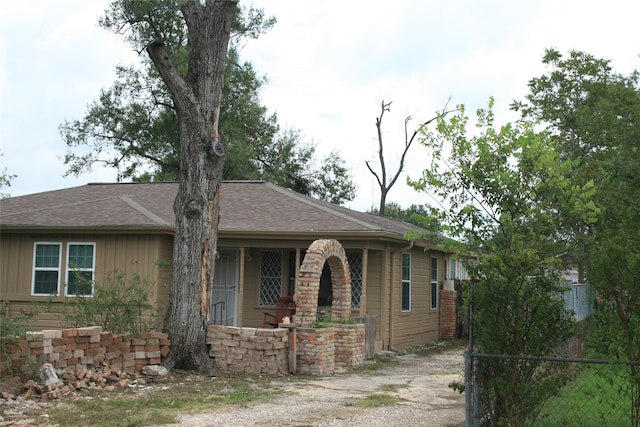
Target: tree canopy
point(133, 126)
point(501, 190)
point(594, 114)
point(420, 215)
point(559, 185)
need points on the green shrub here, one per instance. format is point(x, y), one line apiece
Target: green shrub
point(11, 329)
point(321, 323)
point(119, 305)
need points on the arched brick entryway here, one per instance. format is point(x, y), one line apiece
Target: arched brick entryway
point(308, 282)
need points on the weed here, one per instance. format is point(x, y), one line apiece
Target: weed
point(11, 330)
point(160, 406)
point(375, 401)
point(321, 323)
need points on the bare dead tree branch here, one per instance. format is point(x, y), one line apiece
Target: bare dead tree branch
point(408, 141)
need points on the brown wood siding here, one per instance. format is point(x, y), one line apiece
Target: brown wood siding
point(374, 288)
point(385, 308)
point(420, 325)
point(124, 253)
point(252, 314)
point(16, 261)
point(165, 257)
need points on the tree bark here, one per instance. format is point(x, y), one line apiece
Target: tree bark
point(197, 99)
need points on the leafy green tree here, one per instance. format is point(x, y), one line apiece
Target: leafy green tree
point(502, 189)
point(420, 215)
point(290, 164)
point(594, 115)
point(133, 126)
point(191, 85)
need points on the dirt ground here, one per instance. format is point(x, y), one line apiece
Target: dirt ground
point(420, 382)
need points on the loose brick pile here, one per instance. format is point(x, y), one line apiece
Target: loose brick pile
point(249, 350)
point(100, 378)
point(76, 349)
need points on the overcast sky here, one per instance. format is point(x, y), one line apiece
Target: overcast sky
point(330, 63)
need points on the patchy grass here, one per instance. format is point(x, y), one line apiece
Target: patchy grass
point(185, 392)
point(373, 365)
point(592, 399)
point(394, 387)
point(161, 404)
point(376, 400)
point(437, 347)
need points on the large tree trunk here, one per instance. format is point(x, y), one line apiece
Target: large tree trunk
point(197, 99)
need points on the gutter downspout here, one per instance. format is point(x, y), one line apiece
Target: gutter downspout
point(393, 294)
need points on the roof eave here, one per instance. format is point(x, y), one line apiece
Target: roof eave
point(129, 229)
point(379, 235)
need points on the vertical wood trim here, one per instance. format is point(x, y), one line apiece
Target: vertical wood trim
point(240, 302)
point(363, 291)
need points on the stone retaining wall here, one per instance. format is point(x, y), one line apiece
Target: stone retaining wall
point(81, 348)
point(249, 350)
point(316, 350)
point(252, 351)
point(349, 345)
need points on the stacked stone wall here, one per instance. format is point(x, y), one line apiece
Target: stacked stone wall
point(349, 345)
point(315, 351)
point(81, 348)
point(249, 350)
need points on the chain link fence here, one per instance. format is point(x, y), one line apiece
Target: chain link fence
point(591, 393)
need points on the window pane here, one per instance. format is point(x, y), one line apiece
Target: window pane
point(80, 283)
point(80, 256)
point(355, 266)
point(270, 278)
point(406, 296)
point(434, 282)
point(434, 294)
point(406, 267)
point(406, 282)
point(47, 255)
point(453, 268)
point(45, 282)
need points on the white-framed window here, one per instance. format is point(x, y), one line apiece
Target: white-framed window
point(46, 268)
point(453, 268)
point(463, 269)
point(406, 281)
point(270, 278)
point(434, 282)
point(81, 268)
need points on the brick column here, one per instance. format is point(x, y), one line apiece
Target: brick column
point(448, 315)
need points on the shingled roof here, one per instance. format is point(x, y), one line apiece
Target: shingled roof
point(246, 207)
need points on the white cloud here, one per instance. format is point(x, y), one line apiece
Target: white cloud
point(330, 64)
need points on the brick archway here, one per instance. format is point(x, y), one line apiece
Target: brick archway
point(308, 282)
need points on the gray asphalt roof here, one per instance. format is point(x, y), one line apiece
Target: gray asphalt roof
point(246, 206)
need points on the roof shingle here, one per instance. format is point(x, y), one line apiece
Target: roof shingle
point(254, 206)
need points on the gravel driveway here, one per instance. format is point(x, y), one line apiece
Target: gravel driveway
point(420, 383)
